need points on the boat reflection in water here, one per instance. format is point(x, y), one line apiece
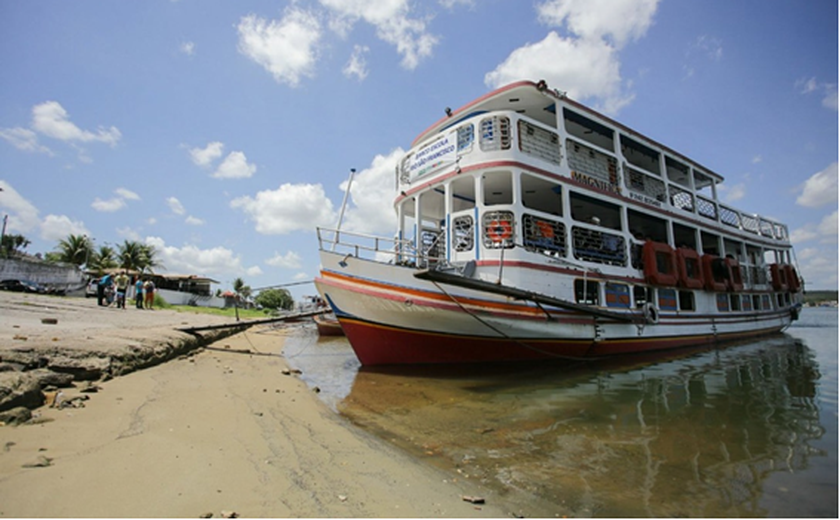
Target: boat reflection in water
point(716, 433)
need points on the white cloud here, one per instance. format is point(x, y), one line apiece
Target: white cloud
point(108, 206)
point(187, 48)
point(393, 24)
point(235, 166)
point(582, 68)
point(205, 156)
point(372, 195)
point(820, 188)
point(825, 231)
point(357, 66)
point(286, 48)
point(57, 227)
point(733, 193)
point(291, 207)
point(585, 64)
point(710, 46)
point(290, 260)
point(827, 227)
point(194, 221)
point(189, 259)
point(23, 215)
point(52, 120)
point(24, 139)
point(128, 233)
point(828, 90)
point(618, 21)
point(126, 194)
point(176, 206)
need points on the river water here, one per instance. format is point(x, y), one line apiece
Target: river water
point(749, 430)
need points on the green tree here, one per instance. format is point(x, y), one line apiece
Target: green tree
point(75, 249)
point(275, 299)
point(103, 258)
point(242, 291)
point(137, 256)
point(12, 244)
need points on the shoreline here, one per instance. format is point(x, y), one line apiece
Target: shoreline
point(226, 429)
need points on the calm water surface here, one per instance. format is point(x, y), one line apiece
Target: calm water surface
point(748, 430)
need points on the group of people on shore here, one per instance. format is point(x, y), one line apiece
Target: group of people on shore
point(114, 289)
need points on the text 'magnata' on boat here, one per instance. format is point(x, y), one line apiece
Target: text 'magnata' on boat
point(532, 227)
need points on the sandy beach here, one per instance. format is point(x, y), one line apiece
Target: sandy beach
point(226, 429)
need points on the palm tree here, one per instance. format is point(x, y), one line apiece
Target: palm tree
point(102, 259)
point(242, 291)
point(75, 249)
point(136, 256)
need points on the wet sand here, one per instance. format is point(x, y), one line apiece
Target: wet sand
point(219, 431)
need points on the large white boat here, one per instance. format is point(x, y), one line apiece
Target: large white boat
point(532, 227)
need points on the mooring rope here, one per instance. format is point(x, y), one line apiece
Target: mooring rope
point(502, 333)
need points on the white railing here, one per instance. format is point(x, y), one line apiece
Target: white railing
point(372, 247)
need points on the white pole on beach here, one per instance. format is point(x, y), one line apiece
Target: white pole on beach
point(343, 206)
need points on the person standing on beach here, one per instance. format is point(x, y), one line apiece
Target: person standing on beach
point(149, 291)
point(121, 282)
point(138, 293)
point(103, 284)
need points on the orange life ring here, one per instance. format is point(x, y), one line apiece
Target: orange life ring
point(545, 229)
point(499, 230)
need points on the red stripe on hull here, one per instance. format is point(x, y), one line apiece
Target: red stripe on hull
point(381, 345)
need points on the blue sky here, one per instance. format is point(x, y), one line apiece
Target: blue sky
point(223, 133)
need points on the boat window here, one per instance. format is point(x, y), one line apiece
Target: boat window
point(541, 194)
point(710, 243)
point(597, 246)
point(498, 188)
point(722, 302)
point(677, 172)
point(595, 211)
point(466, 137)
point(539, 142)
point(463, 233)
point(735, 302)
point(686, 301)
point(642, 295)
point(766, 303)
point(646, 227)
point(543, 235)
point(463, 194)
point(596, 167)
point(667, 299)
point(746, 302)
point(756, 302)
point(685, 236)
point(587, 292)
point(617, 295)
point(495, 133)
point(640, 155)
point(650, 187)
point(498, 229)
point(588, 130)
point(733, 248)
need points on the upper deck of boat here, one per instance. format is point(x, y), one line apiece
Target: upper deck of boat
point(558, 136)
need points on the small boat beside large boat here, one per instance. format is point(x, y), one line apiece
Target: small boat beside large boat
point(532, 227)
